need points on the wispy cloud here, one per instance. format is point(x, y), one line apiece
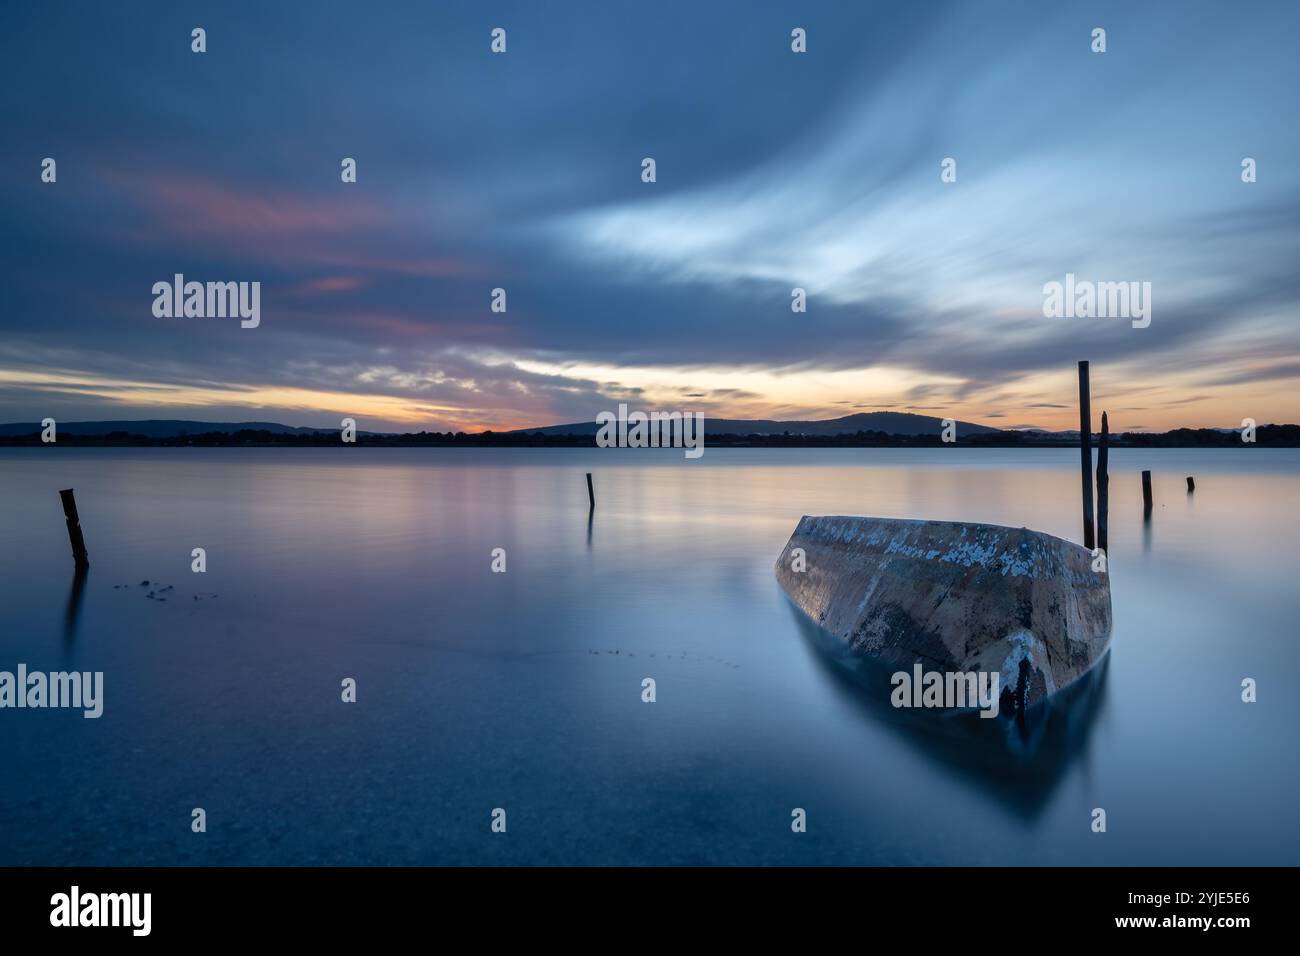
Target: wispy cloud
point(774, 171)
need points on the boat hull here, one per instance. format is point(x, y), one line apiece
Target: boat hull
point(953, 596)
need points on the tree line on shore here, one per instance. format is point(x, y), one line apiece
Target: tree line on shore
point(1284, 436)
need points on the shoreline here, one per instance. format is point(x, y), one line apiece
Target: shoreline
point(1272, 436)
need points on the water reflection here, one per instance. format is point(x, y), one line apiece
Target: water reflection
point(1017, 761)
point(525, 687)
point(72, 612)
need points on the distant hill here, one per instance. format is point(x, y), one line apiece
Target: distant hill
point(864, 430)
point(158, 428)
point(891, 423)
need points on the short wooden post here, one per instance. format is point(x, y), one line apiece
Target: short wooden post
point(1146, 492)
point(1103, 486)
point(591, 493)
point(1085, 453)
point(74, 528)
point(1191, 484)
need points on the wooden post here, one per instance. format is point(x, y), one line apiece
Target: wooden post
point(591, 493)
point(1103, 486)
point(1085, 453)
point(1146, 492)
point(74, 528)
point(1191, 484)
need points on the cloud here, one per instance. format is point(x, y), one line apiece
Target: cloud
point(1256, 374)
point(775, 170)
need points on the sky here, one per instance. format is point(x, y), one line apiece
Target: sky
point(774, 170)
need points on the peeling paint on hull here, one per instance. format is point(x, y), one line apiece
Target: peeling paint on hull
point(954, 596)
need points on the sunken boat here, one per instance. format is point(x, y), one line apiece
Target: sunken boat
point(952, 597)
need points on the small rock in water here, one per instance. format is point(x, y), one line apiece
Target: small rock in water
point(144, 583)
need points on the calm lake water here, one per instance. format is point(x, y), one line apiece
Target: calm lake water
point(523, 690)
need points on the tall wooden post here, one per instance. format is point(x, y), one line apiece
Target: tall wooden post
point(591, 493)
point(1103, 486)
point(1085, 453)
point(1146, 494)
point(74, 528)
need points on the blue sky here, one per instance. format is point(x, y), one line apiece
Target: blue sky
point(774, 170)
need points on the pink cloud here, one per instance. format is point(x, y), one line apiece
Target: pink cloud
point(339, 232)
point(381, 325)
point(328, 285)
point(191, 206)
point(428, 267)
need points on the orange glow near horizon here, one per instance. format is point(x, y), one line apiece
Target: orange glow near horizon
point(1044, 401)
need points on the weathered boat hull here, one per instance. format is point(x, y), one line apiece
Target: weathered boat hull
point(953, 596)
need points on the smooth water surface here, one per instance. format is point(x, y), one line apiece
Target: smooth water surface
point(522, 690)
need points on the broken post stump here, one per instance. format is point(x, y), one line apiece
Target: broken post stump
point(74, 528)
point(1085, 453)
point(1191, 484)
